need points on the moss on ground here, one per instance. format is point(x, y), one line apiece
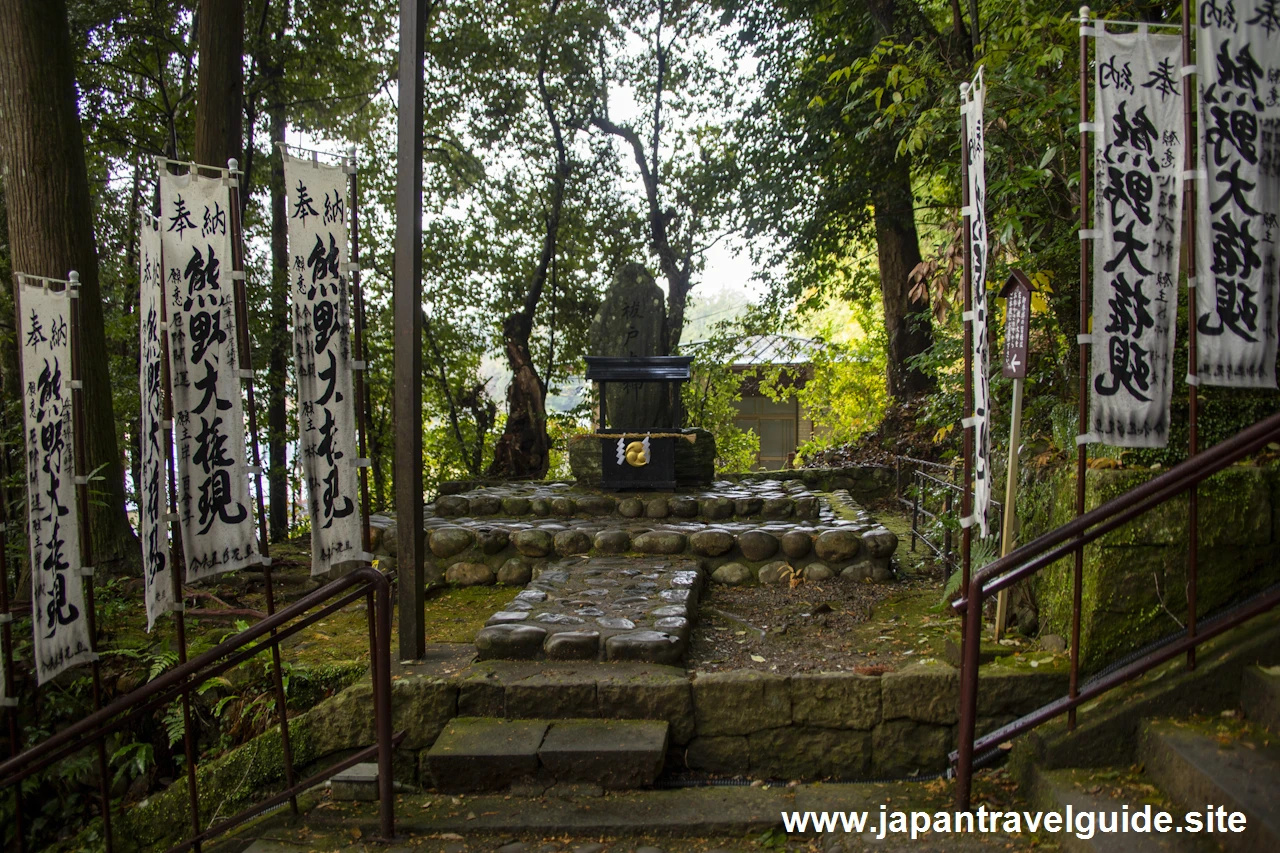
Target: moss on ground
point(455, 614)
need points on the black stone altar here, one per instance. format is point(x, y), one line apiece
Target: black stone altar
point(641, 457)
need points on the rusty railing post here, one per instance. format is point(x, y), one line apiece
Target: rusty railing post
point(968, 694)
point(382, 693)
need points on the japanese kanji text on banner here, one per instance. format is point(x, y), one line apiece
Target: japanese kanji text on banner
point(975, 151)
point(58, 614)
point(317, 208)
point(218, 533)
point(1238, 66)
point(153, 502)
point(1138, 215)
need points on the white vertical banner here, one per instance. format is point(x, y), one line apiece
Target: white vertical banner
point(975, 154)
point(58, 615)
point(318, 251)
point(1238, 67)
point(218, 533)
point(1138, 149)
point(153, 499)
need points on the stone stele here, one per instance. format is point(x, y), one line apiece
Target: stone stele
point(632, 321)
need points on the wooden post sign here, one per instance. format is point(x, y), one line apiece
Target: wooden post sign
point(1017, 323)
point(1017, 327)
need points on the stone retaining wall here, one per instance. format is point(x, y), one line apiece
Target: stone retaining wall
point(1135, 578)
point(745, 723)
point(737, 723)
point(847, 542)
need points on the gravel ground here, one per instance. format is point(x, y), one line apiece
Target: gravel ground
point(833, 625)
point(836, 625)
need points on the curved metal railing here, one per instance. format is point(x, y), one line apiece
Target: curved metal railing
point(368, 583)
point(1029, 559)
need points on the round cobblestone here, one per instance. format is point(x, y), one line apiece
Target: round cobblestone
point(570, 542)
point(797, 544)
point(711, 543)
point(757, 545)
point(612, 541)
point(659, 542)
point(534, 543)
point(631, 508)
point(657, 508)
point(515, 572)
point(447, 541)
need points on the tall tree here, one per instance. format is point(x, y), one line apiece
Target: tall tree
point(51, 225)
point(686, 169)
point(220, 84)
point(524, 448)
point(829, 175)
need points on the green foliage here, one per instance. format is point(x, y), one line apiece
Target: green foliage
point(845, 396)
point(709, 399)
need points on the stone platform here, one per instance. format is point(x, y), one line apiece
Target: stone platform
point(616, 576)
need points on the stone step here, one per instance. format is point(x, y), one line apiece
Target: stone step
point(1077, 787)
point(1260, 696)
point(476, 754)
point(1198, 771)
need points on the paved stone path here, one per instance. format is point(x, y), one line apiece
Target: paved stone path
point(599, 608)
point(692, 820)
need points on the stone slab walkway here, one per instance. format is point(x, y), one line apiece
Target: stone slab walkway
point(599, 608)
point(706, 820)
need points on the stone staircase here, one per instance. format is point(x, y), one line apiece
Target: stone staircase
point(483, 754)
point(1230, 762)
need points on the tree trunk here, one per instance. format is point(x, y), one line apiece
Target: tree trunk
point(220, 86)
point(278, 355)
point(51, 228)
point(906, 320)
point(523, 449)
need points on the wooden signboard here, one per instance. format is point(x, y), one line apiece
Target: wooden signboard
point(1017, 323)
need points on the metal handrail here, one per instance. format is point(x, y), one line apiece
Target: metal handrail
point(1072, 537)
point(170, 685)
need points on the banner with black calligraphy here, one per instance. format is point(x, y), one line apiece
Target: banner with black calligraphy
point(1138, 150)
point(58, 615)
point(975, 151)
point(218, 533)
point(317, 207)
point(153, 498)
point(1238, 66)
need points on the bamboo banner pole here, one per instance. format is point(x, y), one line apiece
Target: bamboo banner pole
point(245, 363)
point(361, 391)
point(966, 492)
point(1081, 448)
point(177, 564)
point(357, 322)
point(1193, 396)
point(86, 542)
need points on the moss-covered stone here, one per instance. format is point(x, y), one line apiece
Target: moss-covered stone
point(926, 693)
point(740, 702)
point(662, 693)
point(801, 752)
point(727, 756)
point(902, 747)
point(1135, 578)
point(835, 700)
point(552, 695)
